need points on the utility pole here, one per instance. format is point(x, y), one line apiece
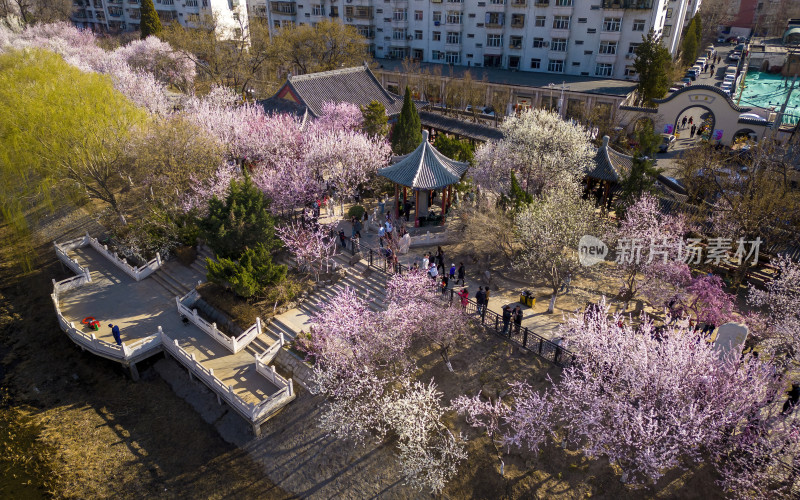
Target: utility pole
point(778, 119)
point(561, 100)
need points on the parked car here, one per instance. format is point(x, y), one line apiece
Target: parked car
point(691, 75)
point(751, 116)
point(686, 80)
point(734, 56)
point(667, 141)
point(679, 85)
point(721, 39)
point(488, 110)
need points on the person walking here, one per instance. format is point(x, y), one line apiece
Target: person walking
point(462, 273)
point(517, 314)
point(357, 227)
point(464, 294)
point(425, 262)
point(480, 298)
point(712, 70)
point(692, 131)
point(433, 271)
point(444, 286)
point(506, 318)
point(683, 122)
point(381, 234)
point(342, 237)
point(566, 283)
point(453, 271)
point(691, 120)
point(440, 258)
point(486, 300)
point(116, 334)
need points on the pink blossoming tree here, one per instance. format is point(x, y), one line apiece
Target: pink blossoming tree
point(313, 246)
point(780, 303)
point(648, 403)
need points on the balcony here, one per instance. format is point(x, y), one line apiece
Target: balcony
point(518, 25)
point(541, 3)
point(286, 8)
point(519, 3)
point(628, 4)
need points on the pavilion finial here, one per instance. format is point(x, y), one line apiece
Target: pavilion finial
point(424, 136)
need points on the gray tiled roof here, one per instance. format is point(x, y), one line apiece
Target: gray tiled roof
point(356, 85)
point(716, 90)
point(277, 105)
point(455, 126)
point(609, 165)
point(424, 168)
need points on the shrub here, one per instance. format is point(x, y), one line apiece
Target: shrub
point(250, 275)
point(356, 211)
point(186, 255)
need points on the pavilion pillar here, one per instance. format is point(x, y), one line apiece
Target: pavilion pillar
point(396, 200)
point(405, 195)
point(416, 207)
point(445, 196)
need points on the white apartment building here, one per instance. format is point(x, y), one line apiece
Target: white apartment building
point(125, 15)
point(576, 37)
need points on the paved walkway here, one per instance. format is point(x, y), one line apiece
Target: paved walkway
point(139, 308)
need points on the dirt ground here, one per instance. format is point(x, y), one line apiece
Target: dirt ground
point(79, 428)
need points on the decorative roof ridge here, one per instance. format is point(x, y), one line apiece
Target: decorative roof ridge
point(712, 88)
point(421, 149)
point(323, 74)
point(390, 95)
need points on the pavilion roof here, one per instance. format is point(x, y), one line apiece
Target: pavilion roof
point(424, 168)
point(609, 165)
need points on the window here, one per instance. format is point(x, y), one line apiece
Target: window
point(494, 40)
point(399, 33)
point(513, 62)
point(581, 20)
point(453, 37)
point(612, 24)
point(437, 36)
point(632, 47)
point(667, 31)
point(578, 42)
point(638, 25)
point(629, 71)
point(455, 1)
point(555, 66)
point(495, 18)
point(591, 30)
point(561, 22)
point(669, 13)
point(608, 48)
point(436, 55)
point(492, 61)
point(453, 57)
point(497, 2)
point(536, 63)
point(318, 10)
point(538, 43)
point(470, 35)
point(558, 45)
point(437, 17)
point(540, 21)
point(418, 35)
point(418, 15)
point(563, 3)
point(400, 15)
point(515, 42)
point(334, 11)
point(453, 17)
point(517, 20)
point(365, 32)
point(604, 69)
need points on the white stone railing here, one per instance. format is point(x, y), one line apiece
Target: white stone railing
point(61, 253)
point(88, 340)
point(70, 283)
point(137, 273)
point(253, 412)
point(233, 344)
point(267, 356)
point(430, 239)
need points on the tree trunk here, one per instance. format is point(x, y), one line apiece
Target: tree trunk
point(552, 306)
point(446, 358)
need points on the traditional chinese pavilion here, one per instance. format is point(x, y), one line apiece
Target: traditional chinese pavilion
point(426, 172)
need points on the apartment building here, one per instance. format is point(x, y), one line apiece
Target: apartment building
point(576, 37)
point(124, 15)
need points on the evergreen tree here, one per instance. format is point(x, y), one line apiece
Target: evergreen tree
point(689, 48)
point(376, 123)
point(456, 149)
point(407, 133)
point(150, 23)
point(643, 173)
point(652, 64)
point(239, 222)
point(698, 28)
point(248, 277)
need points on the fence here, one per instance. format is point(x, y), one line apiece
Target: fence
point(137, 273)
point(233, 344)
point(521, 336)
point(250, 411)
point(61, 253)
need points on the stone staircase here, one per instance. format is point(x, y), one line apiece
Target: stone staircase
point(177, 279)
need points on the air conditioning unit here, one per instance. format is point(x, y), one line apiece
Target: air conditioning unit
point(349, 19)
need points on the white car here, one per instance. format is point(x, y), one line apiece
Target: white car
point(751, 116)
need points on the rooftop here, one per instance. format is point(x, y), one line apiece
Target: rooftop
point(424, 168)
point(609, 165)
point(585, 84)
point(459, 127)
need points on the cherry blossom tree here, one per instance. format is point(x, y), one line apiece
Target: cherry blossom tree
point(313, 246)
point(648, 243)
point(339, 116)
point(539, 147)
point(549, 230)
point(708, 302)
point(202, 190)
point(648, 403)
point(158, 58)
point(780, 302)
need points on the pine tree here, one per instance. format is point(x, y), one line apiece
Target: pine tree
point(689, 48)
point(238, 222)
point(652, 64)
point(698, 28)
point(643, 173)
point(376, 123)
point(407, 133)
point(250, 275)
point(150, 23)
